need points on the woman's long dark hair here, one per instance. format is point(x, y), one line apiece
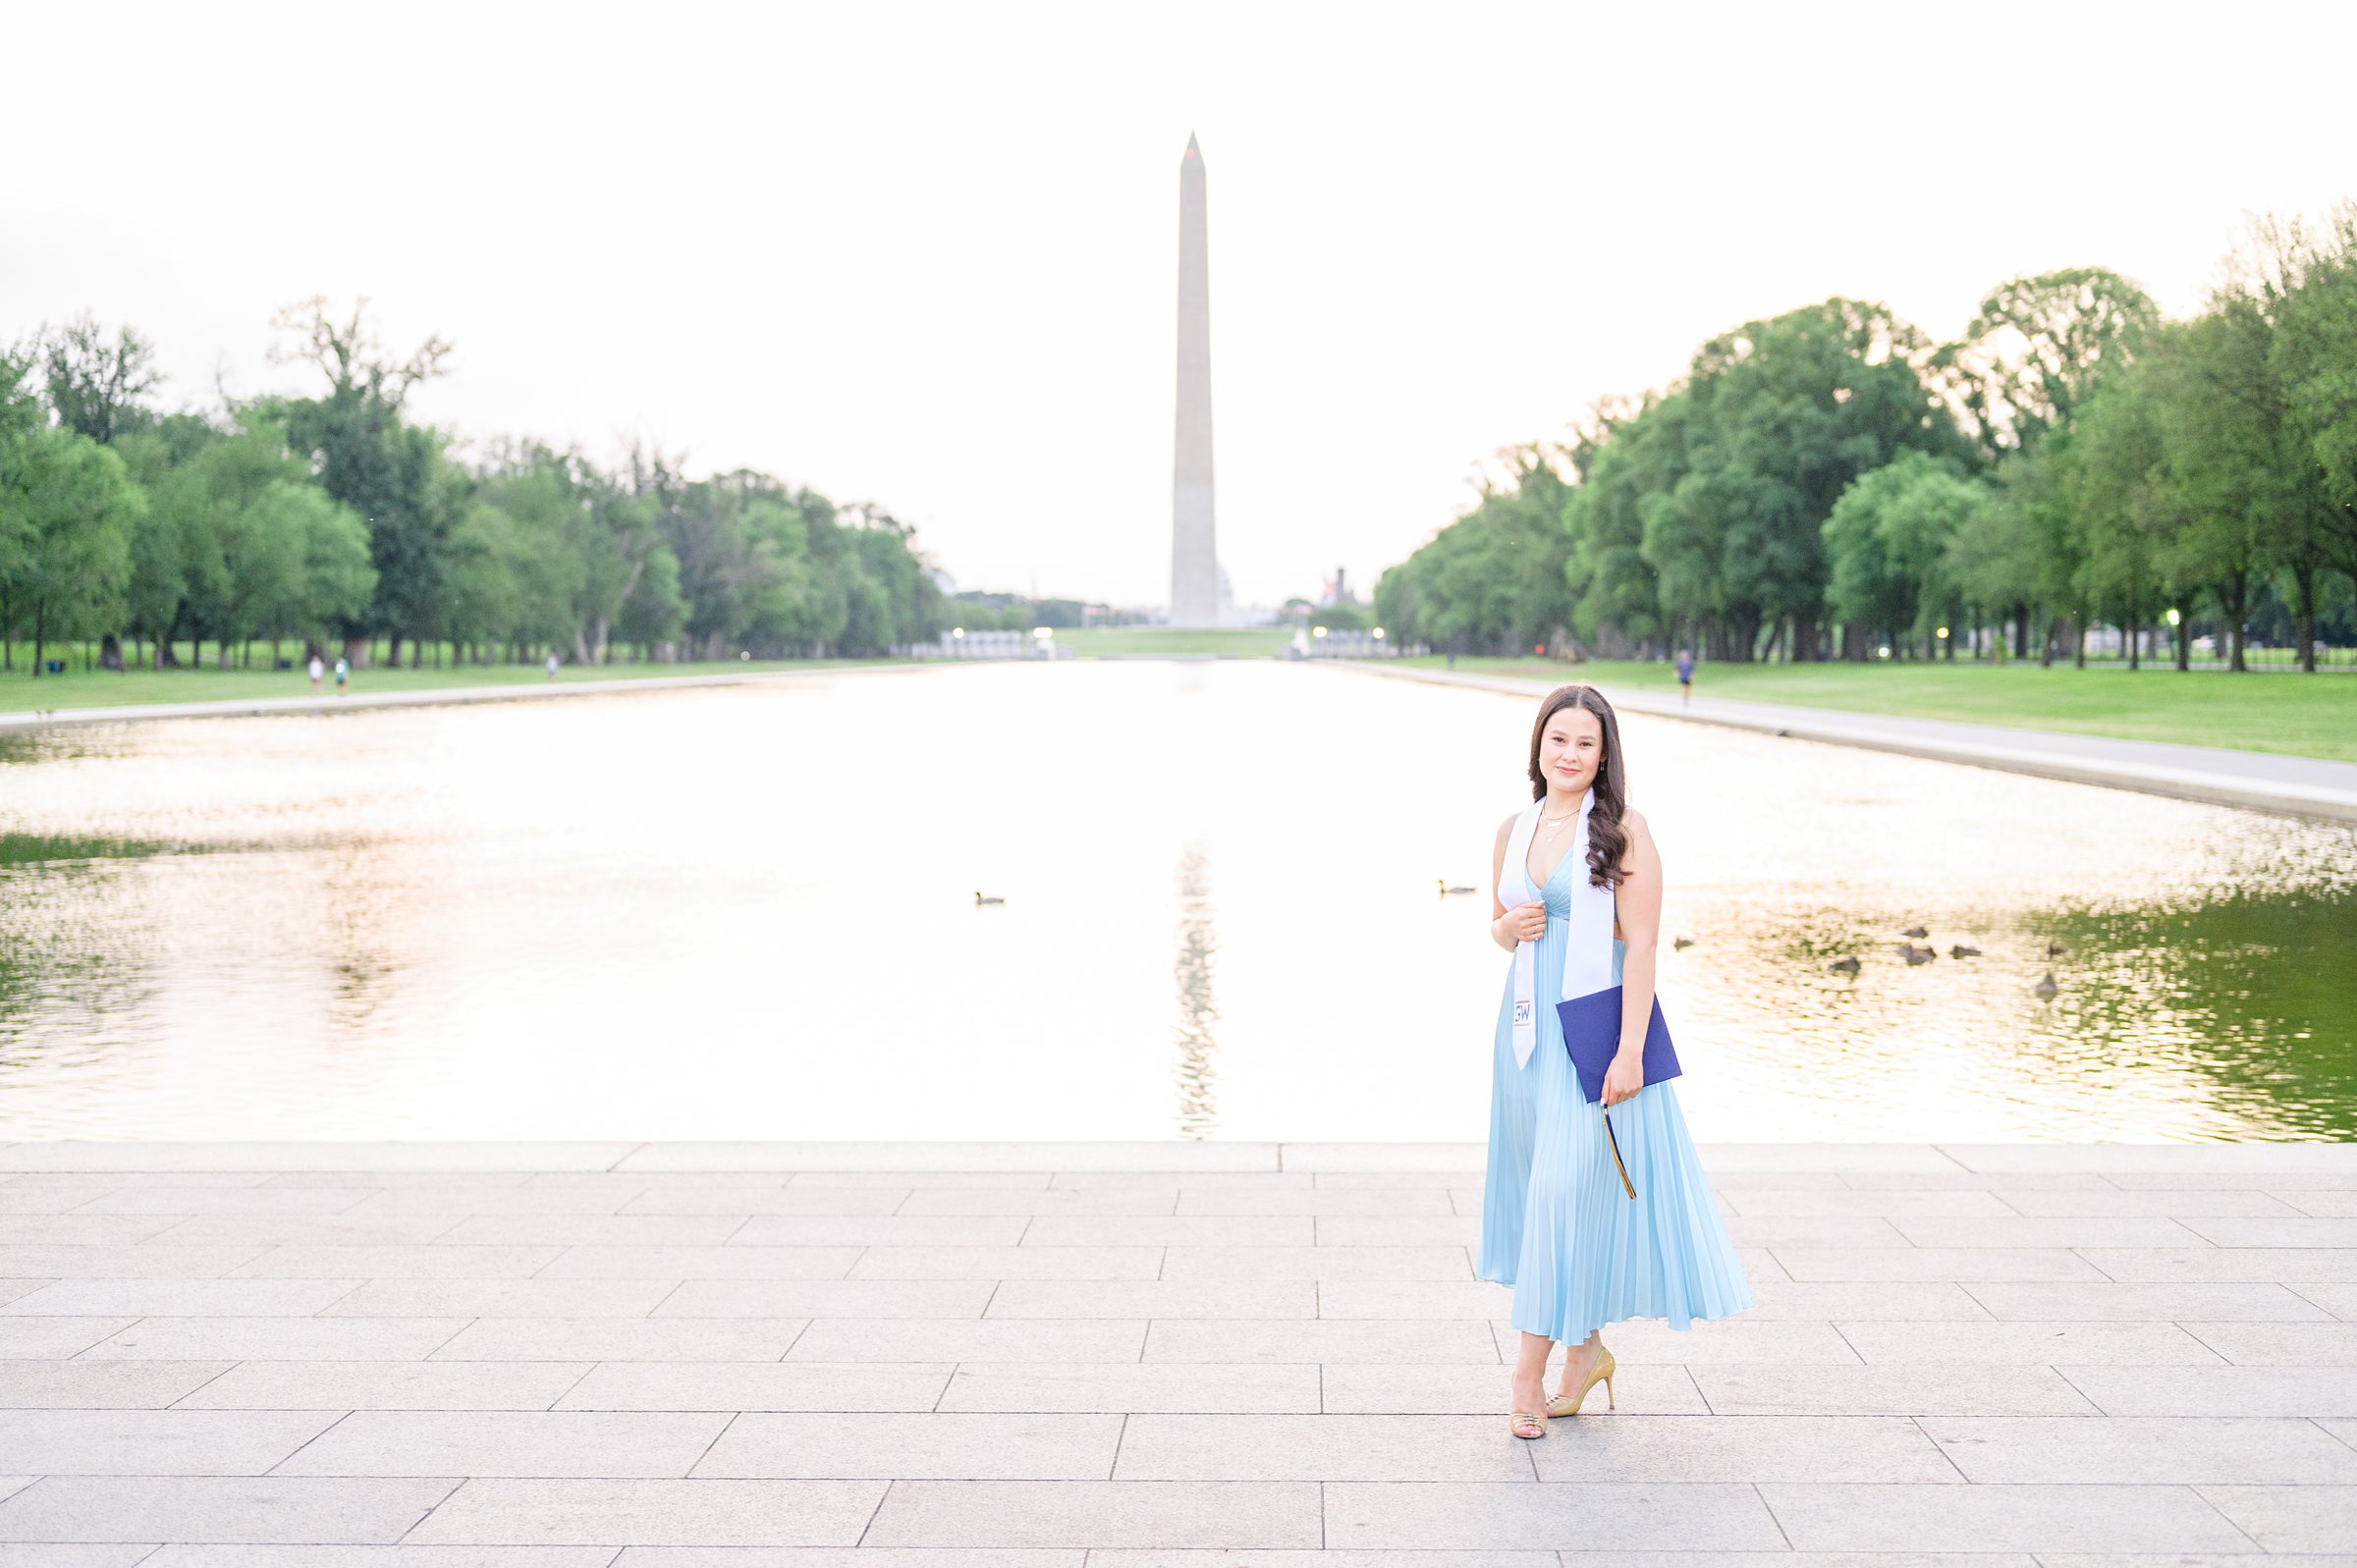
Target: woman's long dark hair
point(1606, 838)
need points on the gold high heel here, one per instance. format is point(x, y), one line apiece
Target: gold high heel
point(1602, 1372)
point(1515, 1418)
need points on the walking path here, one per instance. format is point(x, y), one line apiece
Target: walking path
point(423, 697)
point(1132, 1355)
point(2304, 787)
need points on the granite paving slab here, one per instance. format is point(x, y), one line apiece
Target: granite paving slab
point(828, 1298)
point(1692, 1516)
point(374, 1557)
point(183, 1298)
point(54, 1339)
point(1324, 1447)
point(1990, 1390)
point(102, 1385)
point(672, 1513)
point(2290, 1519)
point(588, 1339)
point(1122, 1388)
point(1098, 1513)
point(507, 1443)
point(2187, 1449)
point(352, 1385)
point(1179, 1299)
point(157, 1442)
point(2280, 1344)
point(658, 1385)
point(950, 1446)
point(180, 1510)
point(1678, 1450)
point(1423, 1389)
point(1853, 1516)
point(277, 1339)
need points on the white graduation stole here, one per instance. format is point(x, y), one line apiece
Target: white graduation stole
point(1588, 941)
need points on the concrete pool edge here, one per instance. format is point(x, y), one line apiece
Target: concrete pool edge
point(2325, 801)
point(1145, 1157)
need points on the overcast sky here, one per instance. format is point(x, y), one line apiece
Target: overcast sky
point(926, 255)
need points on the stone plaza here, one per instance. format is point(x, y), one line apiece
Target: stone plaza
point(1152, 1354)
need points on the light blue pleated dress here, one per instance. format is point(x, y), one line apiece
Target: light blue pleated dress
point(1555, 1224)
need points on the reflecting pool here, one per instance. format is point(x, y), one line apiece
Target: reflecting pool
point(752, 912)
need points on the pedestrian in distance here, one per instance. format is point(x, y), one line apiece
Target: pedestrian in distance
point(1685, 676)
point(1590, 1219)
point(552, 665)
point(317, 670)
point(343, 672)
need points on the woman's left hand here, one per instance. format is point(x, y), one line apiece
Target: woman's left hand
point(1624, 1078)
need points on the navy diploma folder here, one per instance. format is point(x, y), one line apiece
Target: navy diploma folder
point(1592, 1034)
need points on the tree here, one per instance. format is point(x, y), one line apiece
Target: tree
point(595, 535)
point(1786, 413)
point(1993, 560)
point(2302, 286)
point(1890, 538)
point(95, 386)
point(1615, 589)
point(483, 598)
point(1494, 580)
point(155, 598)
point(390, 473)
point(2036, 351)
point(2243, 459)
point(911, 600)
point(331, 580)
point(69, 507)
point(654, 612)
point(2315, 354)
point(2129, 517)
point(257, 547)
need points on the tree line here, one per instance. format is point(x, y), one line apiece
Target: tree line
point(1831, 483)
point(334, 520)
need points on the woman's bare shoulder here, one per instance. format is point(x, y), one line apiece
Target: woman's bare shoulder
point(1635, 821)
point(1506, 829)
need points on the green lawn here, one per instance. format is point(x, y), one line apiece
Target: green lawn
point(1260, 642)
point(2295, 715)
point(21, 692)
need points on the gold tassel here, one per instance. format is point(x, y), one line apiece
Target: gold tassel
point(1625, 1185)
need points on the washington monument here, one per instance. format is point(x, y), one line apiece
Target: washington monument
point(1195, 556)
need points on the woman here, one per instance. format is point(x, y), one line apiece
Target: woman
point(1579, 903)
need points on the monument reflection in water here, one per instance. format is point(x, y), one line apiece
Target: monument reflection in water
point(750, 912)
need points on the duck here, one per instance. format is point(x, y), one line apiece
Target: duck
point(1448, 888)
point(1917, 955)
point(2058, 949)
point(1914, 930)
point(1959, 950)
point(1681, 943)
point(981, 897)
point(1844, 966)
point(2045, 986)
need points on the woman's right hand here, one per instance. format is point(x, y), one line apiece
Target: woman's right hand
point(1525, 922)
